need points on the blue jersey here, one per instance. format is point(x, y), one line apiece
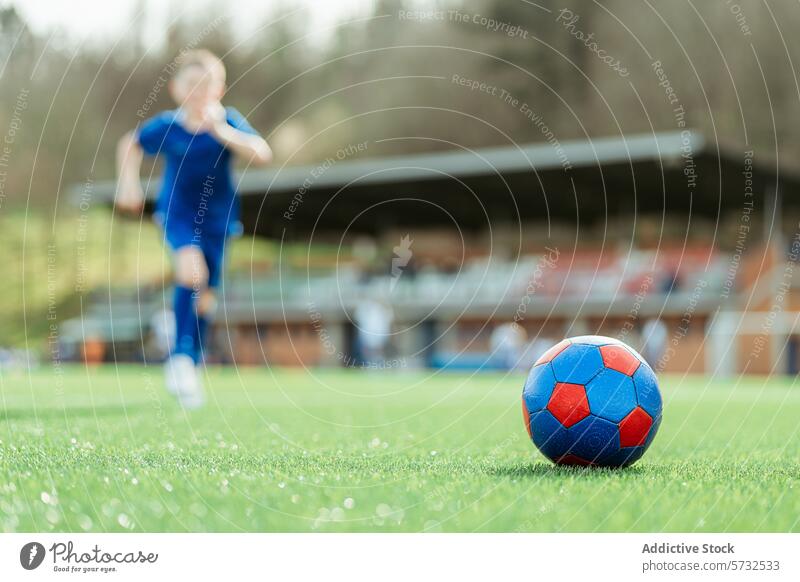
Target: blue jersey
point(197, 192)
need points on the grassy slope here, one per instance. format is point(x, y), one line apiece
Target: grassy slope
point(343, 450)
point(48, 264)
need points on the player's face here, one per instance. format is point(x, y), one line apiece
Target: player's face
point(195, 88)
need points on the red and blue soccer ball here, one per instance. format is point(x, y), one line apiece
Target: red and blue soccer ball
point(592, 400)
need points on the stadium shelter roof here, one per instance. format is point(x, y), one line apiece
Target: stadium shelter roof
point(582, 181)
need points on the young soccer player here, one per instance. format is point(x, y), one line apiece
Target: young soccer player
point(197, 207)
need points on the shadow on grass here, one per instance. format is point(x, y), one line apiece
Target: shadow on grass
point(694, 470)
point(539, 470)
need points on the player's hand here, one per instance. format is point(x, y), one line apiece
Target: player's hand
point(213, 117)
point(129, 198)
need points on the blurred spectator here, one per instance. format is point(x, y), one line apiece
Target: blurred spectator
point(654, 340)
point(507, 344)
point(17, 359)
point(373, 318)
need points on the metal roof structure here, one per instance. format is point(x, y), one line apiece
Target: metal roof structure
point(680, 172)
point(486, 161)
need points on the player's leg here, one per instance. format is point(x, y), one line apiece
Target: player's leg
point(214, 255)
point(191, 278)
point(191, 281)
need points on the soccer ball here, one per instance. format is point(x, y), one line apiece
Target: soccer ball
point(592, 400)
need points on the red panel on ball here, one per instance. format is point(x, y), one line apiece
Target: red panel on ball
point(526, 416)
point(552, 352)
point(573, 460)
point(633, 428)
point(619, 359)
point(569, 403)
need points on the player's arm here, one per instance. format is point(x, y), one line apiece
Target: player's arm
point(249, 146)
point(252, 148)
point(129, 197)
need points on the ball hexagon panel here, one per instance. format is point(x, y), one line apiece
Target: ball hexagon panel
point(635, 428)
point(619, 358)
point(578, 364)
point(625, 456)
point(552, 352)
point(611, 395)
point(647, 392)
point(539, 387)
point(653, 431)
point(549, 435)
point(568, 404)
point(594, 438)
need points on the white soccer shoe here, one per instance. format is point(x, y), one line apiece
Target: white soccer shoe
point(183, 381)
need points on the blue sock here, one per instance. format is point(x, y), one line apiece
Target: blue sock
point(185, 322)
point(202, 333)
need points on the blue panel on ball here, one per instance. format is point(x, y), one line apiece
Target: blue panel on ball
point(624, 457)
point(577, 364)
point(611, 395)
point(594, 439)
point(539, 387)
point(652, 434)
point(549, 435)
point(647, 390)
point(594, 340)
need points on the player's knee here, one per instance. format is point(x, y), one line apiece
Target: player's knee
point(191, 269)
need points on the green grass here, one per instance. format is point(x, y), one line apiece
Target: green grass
point(281, 450)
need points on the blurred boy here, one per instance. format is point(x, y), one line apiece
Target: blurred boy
point(197, 206)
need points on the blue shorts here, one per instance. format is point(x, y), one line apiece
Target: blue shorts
point(180, 234)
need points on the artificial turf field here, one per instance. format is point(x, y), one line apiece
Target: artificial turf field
point(106, 449)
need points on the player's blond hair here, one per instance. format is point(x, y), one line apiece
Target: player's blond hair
point(202, 58)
